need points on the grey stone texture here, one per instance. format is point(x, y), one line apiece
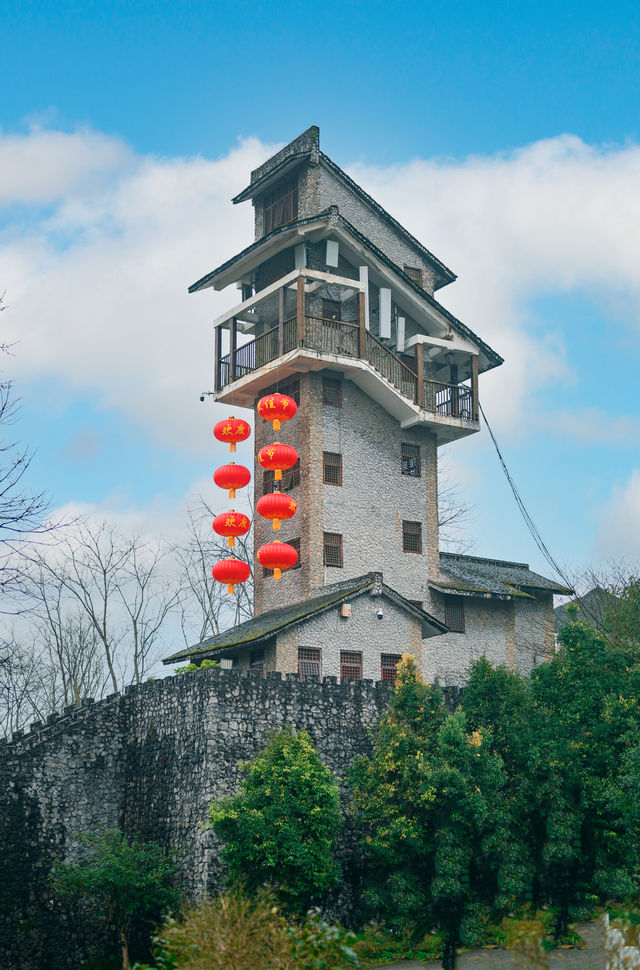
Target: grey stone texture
point(367, 509)
point(149, 762)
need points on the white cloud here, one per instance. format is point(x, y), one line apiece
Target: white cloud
point(97, 286)
point(594, 426)
point(619, 533)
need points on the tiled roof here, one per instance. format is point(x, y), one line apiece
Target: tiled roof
point(471, 575)
point(266, 625)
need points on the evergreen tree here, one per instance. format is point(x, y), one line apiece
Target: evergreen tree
point(280, 830)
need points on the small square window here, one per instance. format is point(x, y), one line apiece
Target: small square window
point(296, 545)
point(331, 468)
point(256, 661)
point(331, 393)
point(414, 273)
point(309, 661)
point(350, 665)
point(412, 537)
point(410, 459)
point(454, 614)
point(389, 666)
point(332, 549)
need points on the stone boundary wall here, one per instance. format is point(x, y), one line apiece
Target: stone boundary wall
point(149, 761)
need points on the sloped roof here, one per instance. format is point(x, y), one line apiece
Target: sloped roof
point(267, 625)
point(473, 576)
point(493, 358)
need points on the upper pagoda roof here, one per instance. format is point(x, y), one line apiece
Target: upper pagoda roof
point(475, 576)
point(306, 148)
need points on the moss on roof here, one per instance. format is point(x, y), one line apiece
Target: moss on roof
point(474, 575)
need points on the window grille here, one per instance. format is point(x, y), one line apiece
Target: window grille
point(350, 665)
point(256, 661)
point(281, 206)
point(412, 536)
point(454, 614)
point(331, 393)
point(332, 549)
point(410, 459)
point(296, 545)
point(389, 663)
point(331, 309)
point(331, 468)
point(414, 273)
point(309, 661)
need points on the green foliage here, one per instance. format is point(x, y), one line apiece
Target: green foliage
point(127, 880)
point(377, 945)
point(281, 828)
point(203, 665)
point(433, 818)
point(235, 932)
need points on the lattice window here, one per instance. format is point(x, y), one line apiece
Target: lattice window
point(331, 393)
point(412, 536)
point(454, 613)
point(410, 458)
point(331, 468)
point(389, 664)
point(256, 660)
point(350, 665)
point(331, 309)
point(332, 549)
point(290, 478)
point(281, 206)
point(414, 273)
point(309, 661)
point(296, 545)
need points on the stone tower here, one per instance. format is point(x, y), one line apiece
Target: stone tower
point(338, 311)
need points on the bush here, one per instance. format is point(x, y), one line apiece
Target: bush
point(234, 932)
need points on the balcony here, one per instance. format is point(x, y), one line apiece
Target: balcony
point(296, 343)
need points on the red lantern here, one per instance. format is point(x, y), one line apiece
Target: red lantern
point(275, 457)
point(232, 476)
point(232, 430)
point(277, 556)
point(277, 408)
point(231, 524)
point(276, 506)
point(231, 571)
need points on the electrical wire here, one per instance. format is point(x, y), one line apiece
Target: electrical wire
point(530, 524)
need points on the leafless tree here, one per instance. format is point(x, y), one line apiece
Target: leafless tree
point(453, 513)
point(23, 689)
point(206, 607)
point(21, 510)
point(117, 585)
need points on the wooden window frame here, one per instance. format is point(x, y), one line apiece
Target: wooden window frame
point(290, 478)
point(410, 453)
point(331, 462)
point(454, 614)
point(389, 666)
point(296, 545)
point(333, 303)
point(257, 660)
point(328, 543)
point(280, 206)
point(329, 386)
point(351, 665)
point(309, 655)
point(411, 530)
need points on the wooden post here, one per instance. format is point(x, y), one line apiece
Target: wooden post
point(362, 330)
point(217, 346)
point(300, 310)
point(455, 392)
point(475, 400)
point(282, 296)
point(233, 346)
point(420, 374)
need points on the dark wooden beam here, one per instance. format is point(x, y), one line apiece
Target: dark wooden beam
point(233, 346)
point(300, 309)
point(362, 329)
point(217, 348)
point(420, 375)
point(282, 297)
point(474, 388)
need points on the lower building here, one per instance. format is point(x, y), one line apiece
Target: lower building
point(360, 628)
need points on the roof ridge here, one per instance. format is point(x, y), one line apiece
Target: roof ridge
point(496, 562)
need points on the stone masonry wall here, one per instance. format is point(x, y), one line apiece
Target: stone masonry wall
point(150, 762)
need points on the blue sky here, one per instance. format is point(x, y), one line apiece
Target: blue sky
point(506, 137)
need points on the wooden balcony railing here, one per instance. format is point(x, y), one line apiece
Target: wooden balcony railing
point(344, 339)
point(450, 400)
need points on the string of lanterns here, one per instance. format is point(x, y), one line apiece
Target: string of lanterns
point(275, 506)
